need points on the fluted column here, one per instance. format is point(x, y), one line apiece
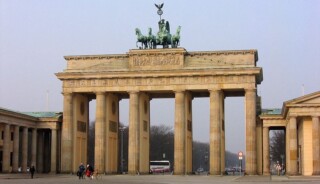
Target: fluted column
point(24, 163)
point(6, 149)
point(15, 154)
point(293, 146)
point(215, 132)
point(34, 147)
point(133, 165)
point(179, 134)
point(67, 134)
point(53, 164)
point(315, 145)
point(100, 135)
point(266, 151)
point(251, 147)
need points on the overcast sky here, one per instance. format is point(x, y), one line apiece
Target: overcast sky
point(36, 34)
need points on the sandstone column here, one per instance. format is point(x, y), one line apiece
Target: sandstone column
point(24, 163)
point(34, 147)
point(251, 147)
point(293, 146)
point(179, 134)
point(40, 152)
point(15, 155)
point(266, 151)
point(222, 134)
point(53, 164)
point(315, 145)
point(215, 132)
point(100, 135)
point(133, 160)
point(259, 136)
point(6, 149)
point(188, 132)
point(144, 133)
point(67, 134)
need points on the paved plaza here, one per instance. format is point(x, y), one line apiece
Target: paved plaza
point(153, 179)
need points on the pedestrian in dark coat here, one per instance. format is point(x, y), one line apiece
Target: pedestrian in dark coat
point(32, 170)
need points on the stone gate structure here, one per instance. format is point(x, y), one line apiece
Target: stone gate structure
point(57, 142)
point(142, 75)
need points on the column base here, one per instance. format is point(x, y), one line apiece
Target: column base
point(292, 174)
point(215, 173)
point(250, 173)
point(316, 173)
point(178, 173)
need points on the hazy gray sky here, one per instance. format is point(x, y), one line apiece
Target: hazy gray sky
point(36, 34)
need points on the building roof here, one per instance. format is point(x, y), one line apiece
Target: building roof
point(32, 114)
point(44, 114)
point(274, 111)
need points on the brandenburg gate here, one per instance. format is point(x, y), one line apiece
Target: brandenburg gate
point(141, 75)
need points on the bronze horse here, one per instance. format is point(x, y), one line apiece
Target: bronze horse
point(141, 38)
point(151, 39)
point(175, 41)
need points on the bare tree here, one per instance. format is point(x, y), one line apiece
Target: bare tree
point(277, 146)
point(161, 143)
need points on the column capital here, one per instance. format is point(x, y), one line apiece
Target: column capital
point(265, 127)
point(54, 129)
point(100, 92)
point(214, 89)
point(315, 116)
point(293, 116)
point(179, 90)
point(133, 91)
point(250, 90)
point(66, 93)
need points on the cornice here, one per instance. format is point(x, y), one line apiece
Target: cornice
point(271, 116)
point(303, 105)
point(171, 73)
point(224, 52)
point(156, 52)
point(151, 52)
point(19, 115)
point(92, 57)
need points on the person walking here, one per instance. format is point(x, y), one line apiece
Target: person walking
point(89, 171)
point(81, 171)
point(32, 170)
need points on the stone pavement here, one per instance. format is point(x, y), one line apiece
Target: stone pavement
point(153, 179)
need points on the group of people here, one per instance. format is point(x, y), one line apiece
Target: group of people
point(82, 172)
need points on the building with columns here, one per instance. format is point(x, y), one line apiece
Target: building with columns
point(142, 75)
point(300, 120)
point(31, 138)
point(56, 143)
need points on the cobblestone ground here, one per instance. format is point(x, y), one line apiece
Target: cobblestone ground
point(152, 179)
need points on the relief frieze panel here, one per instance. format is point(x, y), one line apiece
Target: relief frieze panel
point(156, 59)
point(149, 81)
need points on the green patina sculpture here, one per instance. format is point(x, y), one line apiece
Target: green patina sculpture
point(163, 36)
